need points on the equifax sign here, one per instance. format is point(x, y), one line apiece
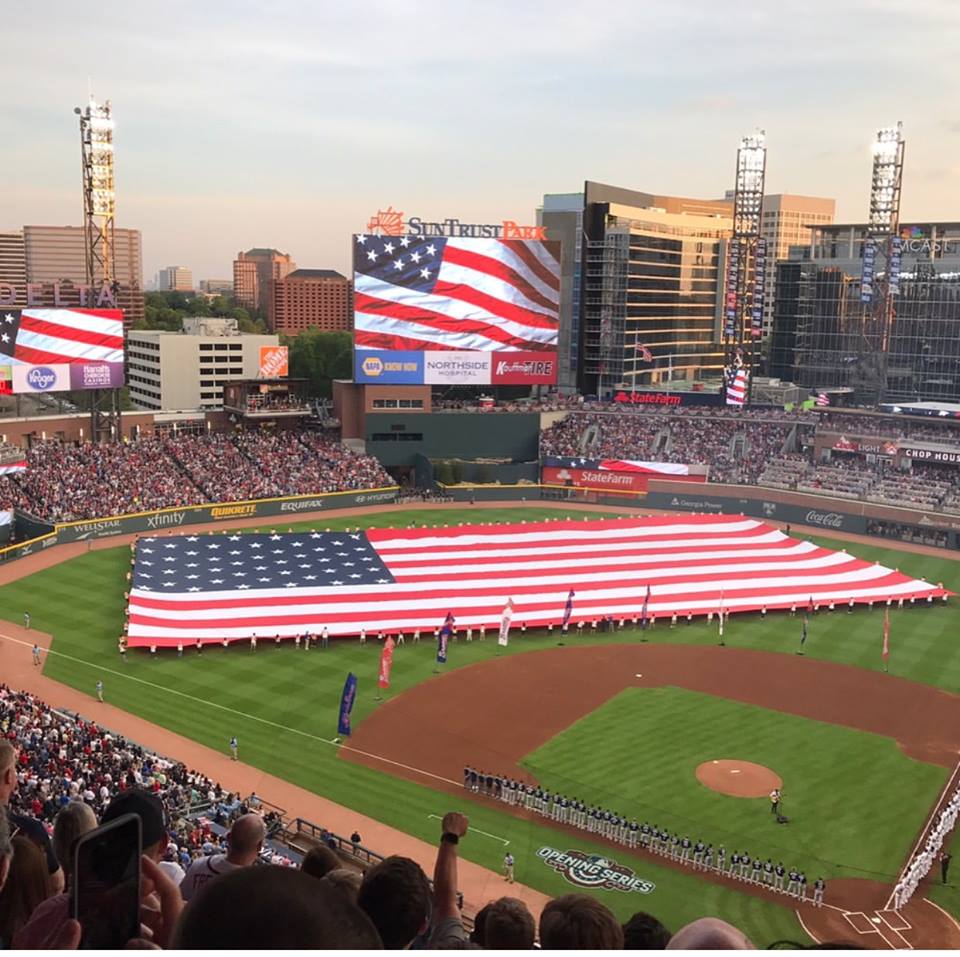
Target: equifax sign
point(390, 222)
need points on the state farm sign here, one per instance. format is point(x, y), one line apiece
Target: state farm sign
point(590, 478)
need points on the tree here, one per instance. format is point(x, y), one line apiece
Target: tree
point(320, 357)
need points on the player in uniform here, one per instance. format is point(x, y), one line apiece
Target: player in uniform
point(793, 882)
point(687, 846)
point(634, 837)
point(466, 777)
point(508, 867)
point(708, 858)
point(100, 691)
point(768, 873)
point(234, 748)
point(745, 865)
point(802, 887)
point(778, 875)
point(698, 850)
point(721, 859)
point(755, 871)
point(819, 886)
point(734, 864)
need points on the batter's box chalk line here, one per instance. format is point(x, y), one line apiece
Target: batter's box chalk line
point(475, 830)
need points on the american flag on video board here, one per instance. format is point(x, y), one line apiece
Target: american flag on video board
point(210, 587)
point(433, 293)
point(54, 336)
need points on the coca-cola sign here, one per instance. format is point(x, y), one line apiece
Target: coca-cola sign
point(824, 519)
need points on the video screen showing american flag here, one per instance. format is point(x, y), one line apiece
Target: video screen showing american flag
point(432, 293)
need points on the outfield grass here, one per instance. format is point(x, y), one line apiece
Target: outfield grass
point(282, 705)
point(834, 778)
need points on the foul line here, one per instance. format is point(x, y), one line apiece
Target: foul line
point(476, 830)
point(945, 913)
point(806, 929)
point(241, 714)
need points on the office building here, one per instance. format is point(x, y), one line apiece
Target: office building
point(175, 279)
point(562, 214)
point(186, 371)
point(309, 299)
point(824, 337)
point(650, 269)
point(56, 254)
point(253, 272)
point(786, 222)
point(216, 287)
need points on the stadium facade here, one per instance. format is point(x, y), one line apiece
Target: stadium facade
point(824, 339)
point(641, 272)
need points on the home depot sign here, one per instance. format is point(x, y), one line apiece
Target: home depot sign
point(273, 362)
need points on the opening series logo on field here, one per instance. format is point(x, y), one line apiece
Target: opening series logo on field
point(594, 871)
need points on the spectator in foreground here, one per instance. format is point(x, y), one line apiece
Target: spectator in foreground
point(395, 895)
point(644, 932)
point(74, 820)
point(579, 922)
point(28, 826)
point(274, 908)
point(508, 925)
point(447, 932)
point(345, 880)
point(245, 842)
point(25, 890)
point(320, 861)
point(709, 933)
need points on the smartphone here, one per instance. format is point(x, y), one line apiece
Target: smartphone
point(105, 885)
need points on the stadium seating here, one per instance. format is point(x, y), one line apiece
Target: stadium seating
point(70, 482)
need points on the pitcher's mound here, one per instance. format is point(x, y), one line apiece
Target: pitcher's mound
point(741, 779)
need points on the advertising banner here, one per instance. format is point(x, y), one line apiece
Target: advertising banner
point(96, 375)
point(524, 368)
point(273, 362)
point(388, 368)
point(46, 378)
point(457, 368)
point(668, 398)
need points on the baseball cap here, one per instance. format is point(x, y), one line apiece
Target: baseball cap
point(146, 806)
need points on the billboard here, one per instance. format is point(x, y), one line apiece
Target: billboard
point(57, 350)
point(467, 305)
point(273, 362)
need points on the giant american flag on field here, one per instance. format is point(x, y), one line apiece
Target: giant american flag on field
point(39, 336)
point(210, 587)
point(435, 293)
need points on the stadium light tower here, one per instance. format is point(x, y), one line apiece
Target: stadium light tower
point(882, 249)
point(99, 207)
point(746, 257)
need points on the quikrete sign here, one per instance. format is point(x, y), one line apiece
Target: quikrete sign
point(390, 222)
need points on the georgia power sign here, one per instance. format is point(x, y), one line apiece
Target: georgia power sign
point(593, 871)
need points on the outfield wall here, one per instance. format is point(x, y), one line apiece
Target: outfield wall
point(43, 535)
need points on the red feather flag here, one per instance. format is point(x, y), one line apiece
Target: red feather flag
point(386, 663)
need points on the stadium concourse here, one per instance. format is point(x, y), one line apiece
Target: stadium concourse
point(14, 662)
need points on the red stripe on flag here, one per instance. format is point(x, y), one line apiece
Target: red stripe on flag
point(499, 270)
point(71, 333)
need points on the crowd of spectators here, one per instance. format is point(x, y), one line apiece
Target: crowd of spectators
point(734, 449)
point(66, 774)
point(65, 482)
point(891, 427)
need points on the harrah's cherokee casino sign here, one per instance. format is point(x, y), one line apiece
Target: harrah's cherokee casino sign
point(451, 303)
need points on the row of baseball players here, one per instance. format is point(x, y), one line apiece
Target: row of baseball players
point(615, 827)
point(920, 866)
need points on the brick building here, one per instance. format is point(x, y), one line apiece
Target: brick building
point(253, 272)
point(310, 298)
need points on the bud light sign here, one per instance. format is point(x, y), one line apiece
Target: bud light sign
point(52, 378)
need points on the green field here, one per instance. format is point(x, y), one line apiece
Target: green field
point(282, 705)
point(831, 776)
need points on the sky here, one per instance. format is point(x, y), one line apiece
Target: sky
point(288, 124)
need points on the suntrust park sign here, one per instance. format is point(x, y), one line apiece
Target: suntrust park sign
point(390, 222)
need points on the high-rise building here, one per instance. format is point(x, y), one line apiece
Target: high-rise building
point(826, 337)
point(252, 273)
point(562, 214)
point(184, 371)
point(648, 288)
point(56, 254)
point(786, 222)
point(309, 298)
point(175, 279)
